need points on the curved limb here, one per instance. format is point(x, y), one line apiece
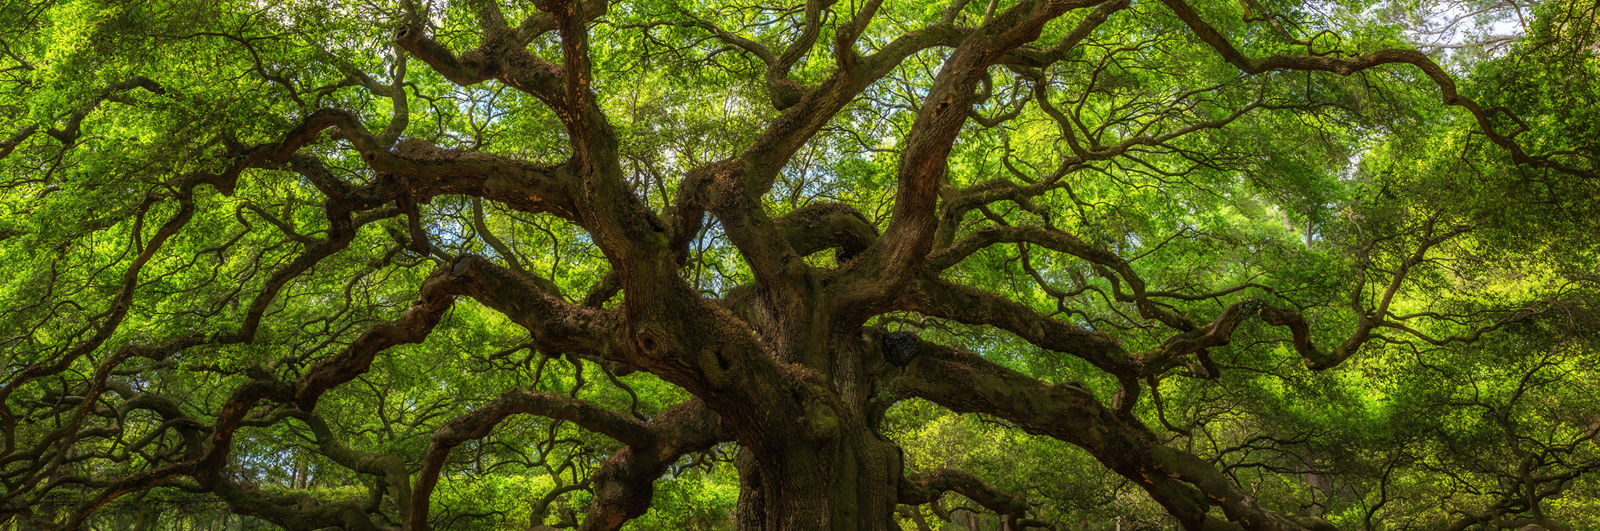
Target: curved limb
point(622, 487)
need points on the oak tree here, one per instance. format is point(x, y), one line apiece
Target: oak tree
point(324, 262)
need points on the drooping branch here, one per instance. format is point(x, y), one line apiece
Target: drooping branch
point(291, 512)
point(205, 467)
point(50, 449)
point(72, 120)
point(621, 486)
point(1344, 67)
point(480, 422)
point(926, 487)
point(412, 327)
point(1055, 240)
point(957, 203)
point(1182, 483)
point(1192, 338)
point(390, 467)
point(112, 317)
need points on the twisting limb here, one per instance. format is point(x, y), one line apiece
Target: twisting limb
point(206, 469)
point(112, 317)
point(623, 486)
point(928, 486)
point(412, 327)
point(390, 467)
point(480, 422)
point(924, 164)
point(501, 53)
point(727, 188)
point(41, 461)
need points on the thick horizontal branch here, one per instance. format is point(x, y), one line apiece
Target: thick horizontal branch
point(938, 298)
point(556, 325)
point(827, 226)
point(423, 170)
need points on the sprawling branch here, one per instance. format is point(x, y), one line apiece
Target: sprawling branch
point(1182, 483)
point(501, 53)
point(556, 325)
point(729, 188)
point(478, 424)
point(390, 467)
point(621, 486)
point(412, 327)
point(1345, 67)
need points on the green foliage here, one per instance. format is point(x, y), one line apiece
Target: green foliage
point(1345, 198)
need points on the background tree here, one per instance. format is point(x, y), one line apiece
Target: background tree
point(827, 265)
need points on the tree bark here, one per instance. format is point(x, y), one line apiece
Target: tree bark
point(826, 468)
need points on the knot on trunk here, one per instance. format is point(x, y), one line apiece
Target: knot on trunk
point(899, 348)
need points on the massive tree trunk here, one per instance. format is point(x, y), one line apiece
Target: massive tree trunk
point(846, 480)
point(827, 468)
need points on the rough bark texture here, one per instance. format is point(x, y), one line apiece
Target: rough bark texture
point(786, 367)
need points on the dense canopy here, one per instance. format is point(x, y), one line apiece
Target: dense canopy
point(843, 265)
